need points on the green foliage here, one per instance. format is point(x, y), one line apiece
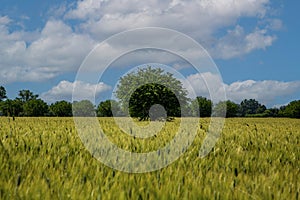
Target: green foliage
point(271, 112)
point(232, 109)
point(26, 104)
point(11, 107)
point(251, 106)
point(219, 110)
point(109, 108)
point(292, 110)
point(61, 109)
point(229, 107)
point(35, 108)
point(138, 91)
point(2, 93)
point(26, 95)
point(83, 108)
point(202, 107)
point(143, 102)
point(43, 158)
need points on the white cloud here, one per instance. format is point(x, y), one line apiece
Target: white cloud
point(85, 9)
point(237, 43)
point(64, 91)
point(148, 45)
point(258, 40)
point(61, 46)
point(40, 56)
point(265, 92)
point(199, 18)
point(23, 74)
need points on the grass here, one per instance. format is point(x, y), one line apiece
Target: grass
point(43, 158)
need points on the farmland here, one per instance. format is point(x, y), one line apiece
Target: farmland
point(255, 158)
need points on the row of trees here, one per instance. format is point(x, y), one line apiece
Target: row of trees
point(247, 108)
point(140, 93)
point(28, 104)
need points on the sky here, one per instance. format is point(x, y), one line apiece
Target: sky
point(253, 44)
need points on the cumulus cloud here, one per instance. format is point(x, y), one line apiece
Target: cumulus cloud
point(64, 91)
point(237, 43)
point(266, 91)
point(200, 19)
point(149, 45)
point(24, 73)
point(40, 56)
point(61, 45)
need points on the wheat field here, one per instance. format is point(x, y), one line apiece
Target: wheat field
point(44, 158)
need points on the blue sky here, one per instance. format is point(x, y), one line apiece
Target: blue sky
point(255, 44)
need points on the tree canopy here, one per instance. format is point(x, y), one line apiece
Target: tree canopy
point(26, 95)
point(139, 91)
point(109, 108)
point(61, 109)
point(251, 107)
point(291, 110)
point(35, 108)
point(83, 108)
point(24, 105)
point(11, 107)
point(231, 109)
point(202, 107)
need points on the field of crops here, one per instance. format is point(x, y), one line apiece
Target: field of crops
point(43, 158)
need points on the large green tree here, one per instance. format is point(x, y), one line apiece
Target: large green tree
point(83, 108)
point(61, 109)
point(201, 106)
point(139, 91)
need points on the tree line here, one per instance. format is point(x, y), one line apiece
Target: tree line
point(139, 93)
point(247, 108)
point(29, 105)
